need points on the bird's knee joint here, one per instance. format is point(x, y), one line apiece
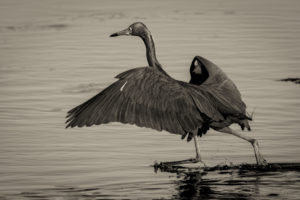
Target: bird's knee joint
point(254, 142)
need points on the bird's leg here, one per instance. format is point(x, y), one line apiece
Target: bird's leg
point(191, 160)
point(259, 158)
point(198, 156)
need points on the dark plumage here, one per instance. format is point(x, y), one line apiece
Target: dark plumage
point(149, 97)
point(146, 97)
point(204, 72)
point(212, 76)
point(198, 71)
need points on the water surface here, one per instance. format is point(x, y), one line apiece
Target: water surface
point(57, 54)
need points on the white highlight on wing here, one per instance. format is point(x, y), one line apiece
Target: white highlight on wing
point(121, 89)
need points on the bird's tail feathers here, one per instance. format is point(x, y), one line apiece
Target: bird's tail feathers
point(245, 124)
point(251, 116)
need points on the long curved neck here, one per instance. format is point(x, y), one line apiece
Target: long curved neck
point(150, 50)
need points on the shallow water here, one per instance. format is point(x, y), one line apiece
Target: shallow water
point(57, 54)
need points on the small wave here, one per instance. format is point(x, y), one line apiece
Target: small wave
point(35, 27)
point(243, 181)
point(85, 88)
point(229, 12)
point(63, 193)
point(243, 167)
point(55, 26)
point(294, 80)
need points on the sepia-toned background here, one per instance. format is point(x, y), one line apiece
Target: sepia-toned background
point(55, 54)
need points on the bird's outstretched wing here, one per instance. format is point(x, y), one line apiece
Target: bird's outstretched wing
point(147, 98)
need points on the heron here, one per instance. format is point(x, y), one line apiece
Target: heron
point(149, 97)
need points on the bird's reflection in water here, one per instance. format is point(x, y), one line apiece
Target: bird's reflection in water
point(233, 182)
point(192, 185)
point(196, 186)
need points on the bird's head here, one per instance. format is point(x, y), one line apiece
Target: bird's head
point(135, 29)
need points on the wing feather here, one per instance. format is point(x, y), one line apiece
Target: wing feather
point(148, 99)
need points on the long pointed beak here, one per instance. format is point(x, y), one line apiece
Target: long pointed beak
point(124, 32)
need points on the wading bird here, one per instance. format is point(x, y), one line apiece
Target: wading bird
point(149, 97)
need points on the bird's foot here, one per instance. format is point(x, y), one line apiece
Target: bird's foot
point(259, 158)
point(176, 166)
point(191, 160)
point(199, 160)
point(261, 161)
point(179, 162)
